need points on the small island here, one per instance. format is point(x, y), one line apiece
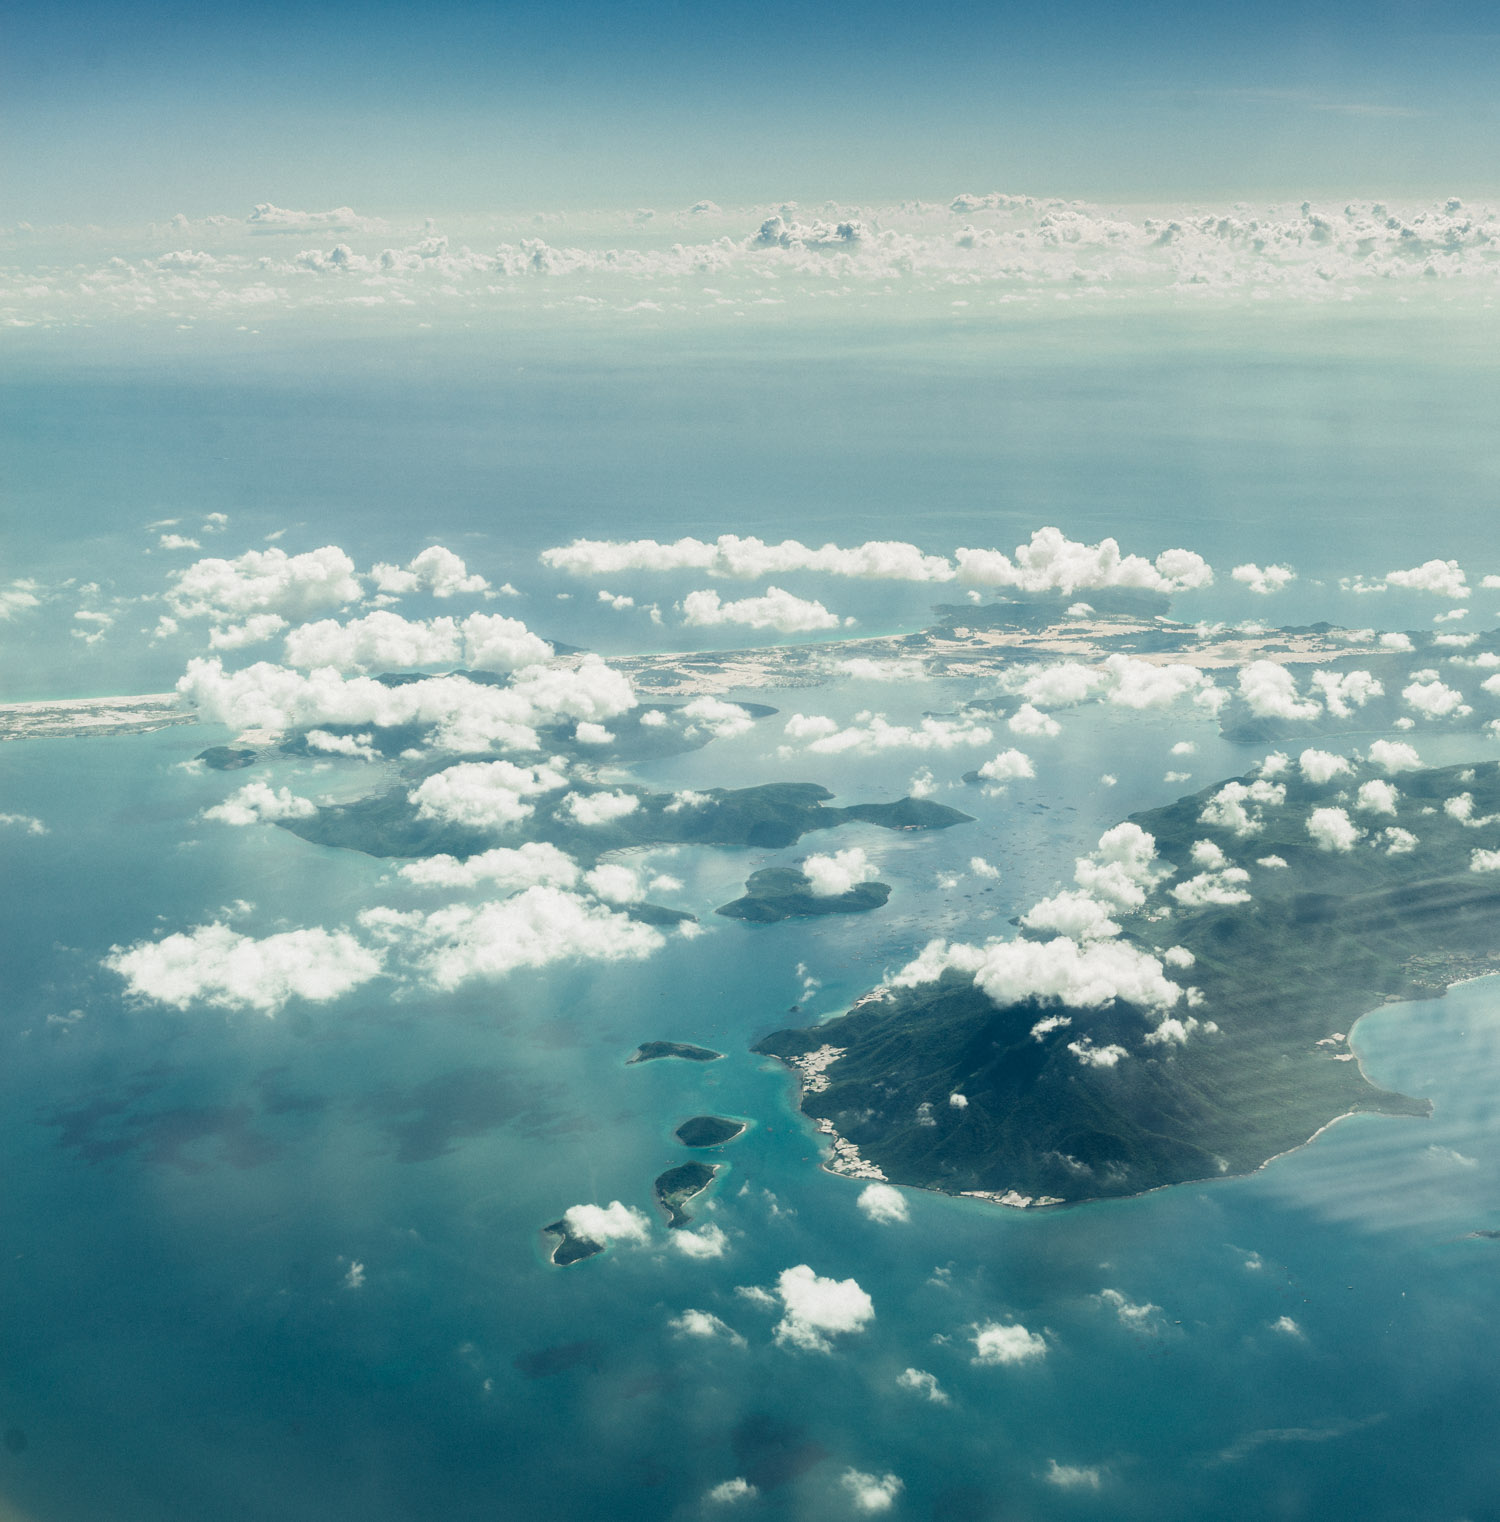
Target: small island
point(677, 1186)
point(570, 1248)
point(655, 1051)
point(783, 893)
point(659, 915)
point(708, 1131)
point(227, 758)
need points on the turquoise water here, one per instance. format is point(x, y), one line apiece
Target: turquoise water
point(185, 1193)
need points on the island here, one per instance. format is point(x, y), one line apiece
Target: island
point(708, 1131)
point(570, 1247)
point(227, 758)
point(783, 893)
point(655, 1051)
point(678, 1185)
point(771, 816)
point(1286, 920)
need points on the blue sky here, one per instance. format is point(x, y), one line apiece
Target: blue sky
point(121, 111)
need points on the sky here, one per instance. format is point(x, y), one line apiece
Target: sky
point(118, 112)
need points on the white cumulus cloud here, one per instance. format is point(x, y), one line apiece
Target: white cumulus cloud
point(774, 609)
point(997, 1342)
point(1333, 830)
point(830, 876)
point(212, 964)
point(884, 1204)
point(814, 1309)
point(536, 928)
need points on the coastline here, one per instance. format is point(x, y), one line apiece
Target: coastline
point(1013, 1199)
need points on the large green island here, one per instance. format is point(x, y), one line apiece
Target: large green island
point(1301, 927)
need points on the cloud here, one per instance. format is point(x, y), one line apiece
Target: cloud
point(714, 718)
point(726, 1492)
point(922, 1383)
point(1376, 797)
point(386, 641)
point(1444, 578)
point(830, 876)
point(265, 581)
point(1138, 1317)
point(774, 609)
point(998, 1342)
point(1225, 886)
point(1051, 562)
point(1008, 766)
point(707, 1242)
point(466, 716)
point(704, 1324)
point(1333, 830)
point(1393, 756)
point(862, 669)
point(177, 542)
point(526, 866)
point(1434, 699)
point(1238, 806)
point(256, 803)
point(436, 570)
point(871, 1492)
point(1484, 861)
point(1321, 766)
point(607, 1224)
point(19, 597)
point(1071, 1477)
point(884, 1204)
point(748, 559)
point(1344, 692)
point(266, 218)
point(536, 928)
point(815, 1309)
point(1264, 580)
point(871, 733)
point(28, 824)
point(1122, 867)
point(1092, 1056)
point(1090, 975)
point(1071, 913)
point(1029, 720)
point(212, 964)
point(592, 809)
point(486, 795)
point(255, 629)
point(1271, 693)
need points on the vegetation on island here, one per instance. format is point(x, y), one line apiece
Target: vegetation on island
point(571, 1247)
point(941, 1087)
point(708, 1131)
point(771, 816)
point(654, 1051)
point(782, 893)
point(677, 1186)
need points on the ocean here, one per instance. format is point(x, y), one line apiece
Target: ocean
point(294, 1267)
